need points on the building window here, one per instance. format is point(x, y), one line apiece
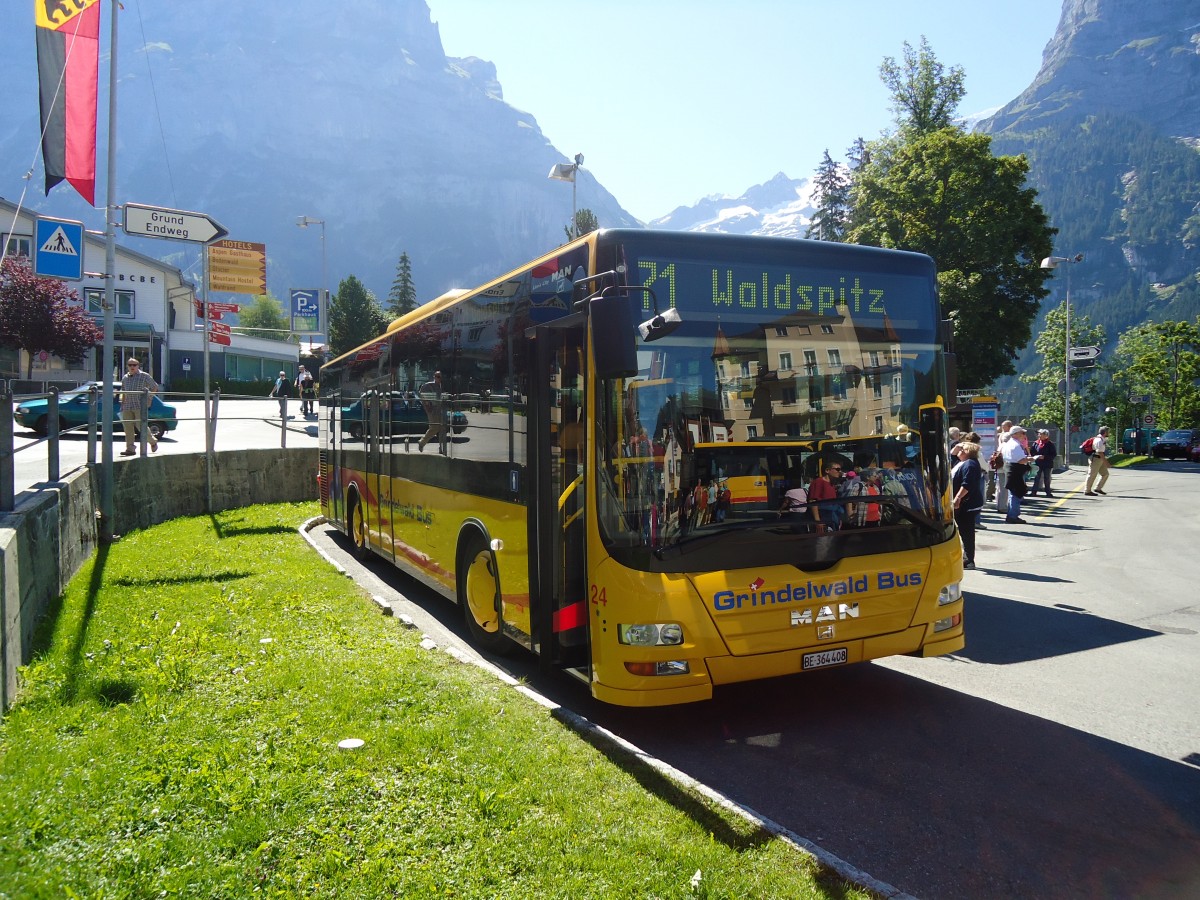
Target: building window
point(835, 357)
point(94, 299)
point(745, 368)
point(895, 386)
point(785, 360)
point(810, 362)
point(789, 396)
point(875, 359)
point(751, 431)
point(780, 331)
point(18, 245)
point(878, 425)
point(747, 403)
point(877, 387)
point(826, 329)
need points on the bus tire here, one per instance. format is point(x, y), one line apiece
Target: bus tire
point(356, 524)
point(478, 587)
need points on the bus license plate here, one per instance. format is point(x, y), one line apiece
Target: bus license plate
point(833, 657)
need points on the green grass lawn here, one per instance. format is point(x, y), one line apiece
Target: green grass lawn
point(178, 737)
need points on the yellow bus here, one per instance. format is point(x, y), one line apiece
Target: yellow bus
point(581, 418)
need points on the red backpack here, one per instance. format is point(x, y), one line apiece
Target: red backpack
point(1087, 447)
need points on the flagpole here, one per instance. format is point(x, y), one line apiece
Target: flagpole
point(110, 292)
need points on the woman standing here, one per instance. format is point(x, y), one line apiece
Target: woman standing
point(1044, 452)
point(967, 479)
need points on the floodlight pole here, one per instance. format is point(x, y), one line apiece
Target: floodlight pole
point(569, 172)
point(323, 306)
point(1053, 262)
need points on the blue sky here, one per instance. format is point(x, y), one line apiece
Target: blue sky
point(672, 100)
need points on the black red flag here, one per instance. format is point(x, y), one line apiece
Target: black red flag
point(68, 48)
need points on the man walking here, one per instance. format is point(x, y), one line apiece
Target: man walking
point(281, 391)
point(431, 399)
point(1098, 463)
point(137, 388)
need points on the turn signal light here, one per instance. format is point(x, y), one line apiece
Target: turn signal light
point(647, 669)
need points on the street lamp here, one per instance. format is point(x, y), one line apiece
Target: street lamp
point(323, 306)
point(566, 172)
point(1053, 262)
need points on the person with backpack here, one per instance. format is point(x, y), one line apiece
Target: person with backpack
point(308, 392)
point(1097, 462)
point(281, 391)
point(795, 505)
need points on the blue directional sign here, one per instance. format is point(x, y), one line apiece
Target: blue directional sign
point(306, 310)
point(58, 249)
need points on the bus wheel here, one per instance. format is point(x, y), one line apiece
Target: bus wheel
point(358, 530)
point(477, 589)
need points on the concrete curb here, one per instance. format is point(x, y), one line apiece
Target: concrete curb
point(617, 745)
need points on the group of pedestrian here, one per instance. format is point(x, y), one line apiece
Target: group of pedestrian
point(304, 386)
point(1012, 460)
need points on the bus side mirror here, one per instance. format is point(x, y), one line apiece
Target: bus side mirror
point(613, 344)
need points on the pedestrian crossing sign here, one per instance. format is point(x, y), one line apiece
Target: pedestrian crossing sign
point(58, 249)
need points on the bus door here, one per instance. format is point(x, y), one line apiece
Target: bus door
point(558, 523)
point(376, 428)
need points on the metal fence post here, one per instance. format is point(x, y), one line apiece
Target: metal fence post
point(93, 421)
point(52, 461)
point(7, 494)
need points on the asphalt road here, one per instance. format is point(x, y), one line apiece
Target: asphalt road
point(1058, 755)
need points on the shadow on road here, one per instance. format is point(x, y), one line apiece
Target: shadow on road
point(937, 792)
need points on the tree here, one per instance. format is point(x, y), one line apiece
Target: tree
point(1163, 359)
point(925, 96)
point(1087, 394)
point(832, 198)
point(585, 223)
point(355, 316)
point(39, 314)
point(403, 296)
point(265, 319)
point(946, 195)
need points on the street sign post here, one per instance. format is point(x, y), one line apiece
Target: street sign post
point(218, 338)
point(171, 224)
point(1083, 354)
point(58, 249)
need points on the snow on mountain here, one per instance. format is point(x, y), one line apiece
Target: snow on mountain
point(781, 207)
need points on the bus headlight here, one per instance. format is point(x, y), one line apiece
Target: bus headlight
point(667, 634)
point(951, 593)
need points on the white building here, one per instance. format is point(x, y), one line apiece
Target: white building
point(154, 320)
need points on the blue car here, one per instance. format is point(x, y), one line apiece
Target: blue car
point(73, 414)
point(407, 417)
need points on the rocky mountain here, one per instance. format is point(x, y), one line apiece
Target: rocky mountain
point(348, 112)
point(1111, 127)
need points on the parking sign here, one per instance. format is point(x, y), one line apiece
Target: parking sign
point(306, 310)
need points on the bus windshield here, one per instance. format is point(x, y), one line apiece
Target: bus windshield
point(782, 368)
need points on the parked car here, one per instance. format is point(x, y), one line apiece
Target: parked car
point(407, 417)
point(1176, 443)
point(73, 413)
point(1194, 455)
point(1139, 440)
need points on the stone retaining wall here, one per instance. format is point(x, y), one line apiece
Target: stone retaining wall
point(54, 530)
